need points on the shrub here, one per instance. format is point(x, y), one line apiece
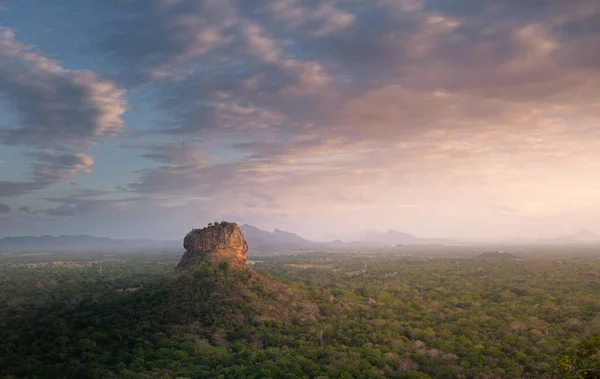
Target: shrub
point(224, 265)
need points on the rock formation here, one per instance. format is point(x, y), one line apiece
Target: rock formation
point(218, 288)
point(215, 244)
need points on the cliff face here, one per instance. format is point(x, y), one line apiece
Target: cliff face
point(214, 244)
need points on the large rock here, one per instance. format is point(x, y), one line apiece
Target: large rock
point(214, 244)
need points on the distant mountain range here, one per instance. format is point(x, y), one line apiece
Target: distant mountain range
point(583, 236)
point(80, 242)
point(261, 240)
point(258, 240)
point(393, 237)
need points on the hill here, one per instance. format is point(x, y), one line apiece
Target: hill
point(259, 240)
point(213, 271)
point(277, 240)
point(79, 243)
point(583, 236)
point(393, 237)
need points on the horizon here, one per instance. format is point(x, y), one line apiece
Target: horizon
point(364, 237)
point(462, 120)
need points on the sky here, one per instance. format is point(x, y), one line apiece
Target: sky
point(468, 119)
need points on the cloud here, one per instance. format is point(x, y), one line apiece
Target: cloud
point(243, 76)
point(58, 110)
point(48, 168)
point(16, 188)
point(306, 16)
point(158, 40)
point(54, 106)
point(62, 210)
point(502, 208)
point(4, 208)
point(330, 108)
point(410, 82)
point(164, 39)
point(276, 74)
point(81, 202)
point(268, 50)
point(172, 154)
point(27, 210)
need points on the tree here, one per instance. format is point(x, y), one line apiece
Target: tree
point(583, 362)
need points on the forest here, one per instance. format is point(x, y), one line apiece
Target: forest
point(347, 315)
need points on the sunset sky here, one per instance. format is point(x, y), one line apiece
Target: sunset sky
point(475, 119)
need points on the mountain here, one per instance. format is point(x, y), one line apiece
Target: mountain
point(278, 240)
point(393, 237)
point(212, 276)
point(79, 242)
point(262, 240)
point(258, 240)
point(217, 244)
point(582, 236)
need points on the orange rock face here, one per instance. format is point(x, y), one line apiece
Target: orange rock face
point(215, 244)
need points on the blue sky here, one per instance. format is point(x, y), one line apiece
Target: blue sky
point(146, 118)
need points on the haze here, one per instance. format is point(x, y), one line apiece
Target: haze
point(456, 119)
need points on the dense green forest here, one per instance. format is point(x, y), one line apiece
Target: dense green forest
point(300, 316)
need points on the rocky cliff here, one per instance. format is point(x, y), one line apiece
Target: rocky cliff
point(215, 244)
point(216, 290)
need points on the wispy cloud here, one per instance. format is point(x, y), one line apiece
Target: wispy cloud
point(4, 208)
point(56, 108)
